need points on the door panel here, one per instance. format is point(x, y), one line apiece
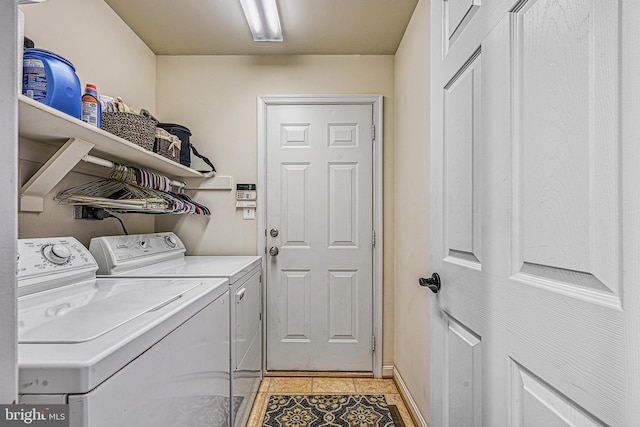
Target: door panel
point(566, 338)
point(343, 135)
point(295, 309)
point(343, 205)
point(295, 204)
point(320, 284)
point(528, 224)
point(461, 164)
point(535, 403)
point(568, 228)
point(295, 135)
point(463, 359)
point(458, 14)
point(343, 306)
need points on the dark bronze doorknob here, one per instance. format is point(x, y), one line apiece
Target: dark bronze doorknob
point(432, 282)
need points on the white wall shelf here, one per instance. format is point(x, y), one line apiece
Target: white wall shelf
point(75, 138)
point(43, 123)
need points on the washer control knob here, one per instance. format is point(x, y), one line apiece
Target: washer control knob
point(171, 241)
point(57, 254)
point(143, 244)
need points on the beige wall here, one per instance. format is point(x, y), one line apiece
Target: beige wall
point(102, 48)
point(105, 52)
point(412, 225)
point(215, 97)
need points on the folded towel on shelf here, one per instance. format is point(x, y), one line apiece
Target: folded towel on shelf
point(116, 104)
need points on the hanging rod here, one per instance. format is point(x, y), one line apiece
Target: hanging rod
point(109, 164)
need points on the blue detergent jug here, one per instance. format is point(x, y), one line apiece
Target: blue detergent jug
point(51, 79)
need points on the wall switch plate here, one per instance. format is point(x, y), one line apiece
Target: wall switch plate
point(248, 213)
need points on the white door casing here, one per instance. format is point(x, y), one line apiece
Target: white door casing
point(534, 213)
point(322, 289)
point(9, 209)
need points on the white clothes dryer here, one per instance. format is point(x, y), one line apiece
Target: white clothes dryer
point(120, 351)
point(162, 255)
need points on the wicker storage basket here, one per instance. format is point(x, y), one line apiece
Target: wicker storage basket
point(167, 145)
point(135, 128)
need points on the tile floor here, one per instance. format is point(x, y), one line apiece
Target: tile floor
point(326, 385)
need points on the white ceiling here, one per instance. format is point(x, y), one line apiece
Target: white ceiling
point(310, 27)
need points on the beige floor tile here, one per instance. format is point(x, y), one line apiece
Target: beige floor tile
point(257, 411)
point(264, 385)
point(333, 385)
point(396, 399)
point(290, 385)
point(375, 385)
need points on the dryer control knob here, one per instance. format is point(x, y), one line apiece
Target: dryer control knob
point(57, 254)
point(170, 241)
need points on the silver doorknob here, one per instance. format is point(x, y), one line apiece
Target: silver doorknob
point(274, 232)
point(273, 251)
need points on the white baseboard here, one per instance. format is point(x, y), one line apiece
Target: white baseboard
point(413, 407)
point(387, 371)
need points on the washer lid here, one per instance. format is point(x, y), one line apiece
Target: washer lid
point(76, 314)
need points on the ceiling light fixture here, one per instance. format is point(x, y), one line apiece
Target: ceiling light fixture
point(263, 20)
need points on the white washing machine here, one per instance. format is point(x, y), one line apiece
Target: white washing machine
point(162, 255)
point(120, 351)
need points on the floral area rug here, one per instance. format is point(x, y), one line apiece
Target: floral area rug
point(328, 410)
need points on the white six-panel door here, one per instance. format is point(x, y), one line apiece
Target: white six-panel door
point(319, 194)
point(534, 230)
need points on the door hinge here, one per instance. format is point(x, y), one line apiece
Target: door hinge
point(373, 132)
point(373, 343)
point(373, 238)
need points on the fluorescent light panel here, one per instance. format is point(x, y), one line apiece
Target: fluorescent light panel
point(263, 20)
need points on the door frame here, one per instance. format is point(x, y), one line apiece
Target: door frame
point(375, 100)
point(9, 208)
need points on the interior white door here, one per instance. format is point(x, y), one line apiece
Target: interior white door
point(534, 228)
point(319, 219)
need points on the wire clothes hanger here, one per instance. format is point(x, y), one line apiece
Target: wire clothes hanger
point(143, 178)
point(132, 190)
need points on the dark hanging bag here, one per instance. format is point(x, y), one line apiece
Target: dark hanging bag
point(186, 147)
